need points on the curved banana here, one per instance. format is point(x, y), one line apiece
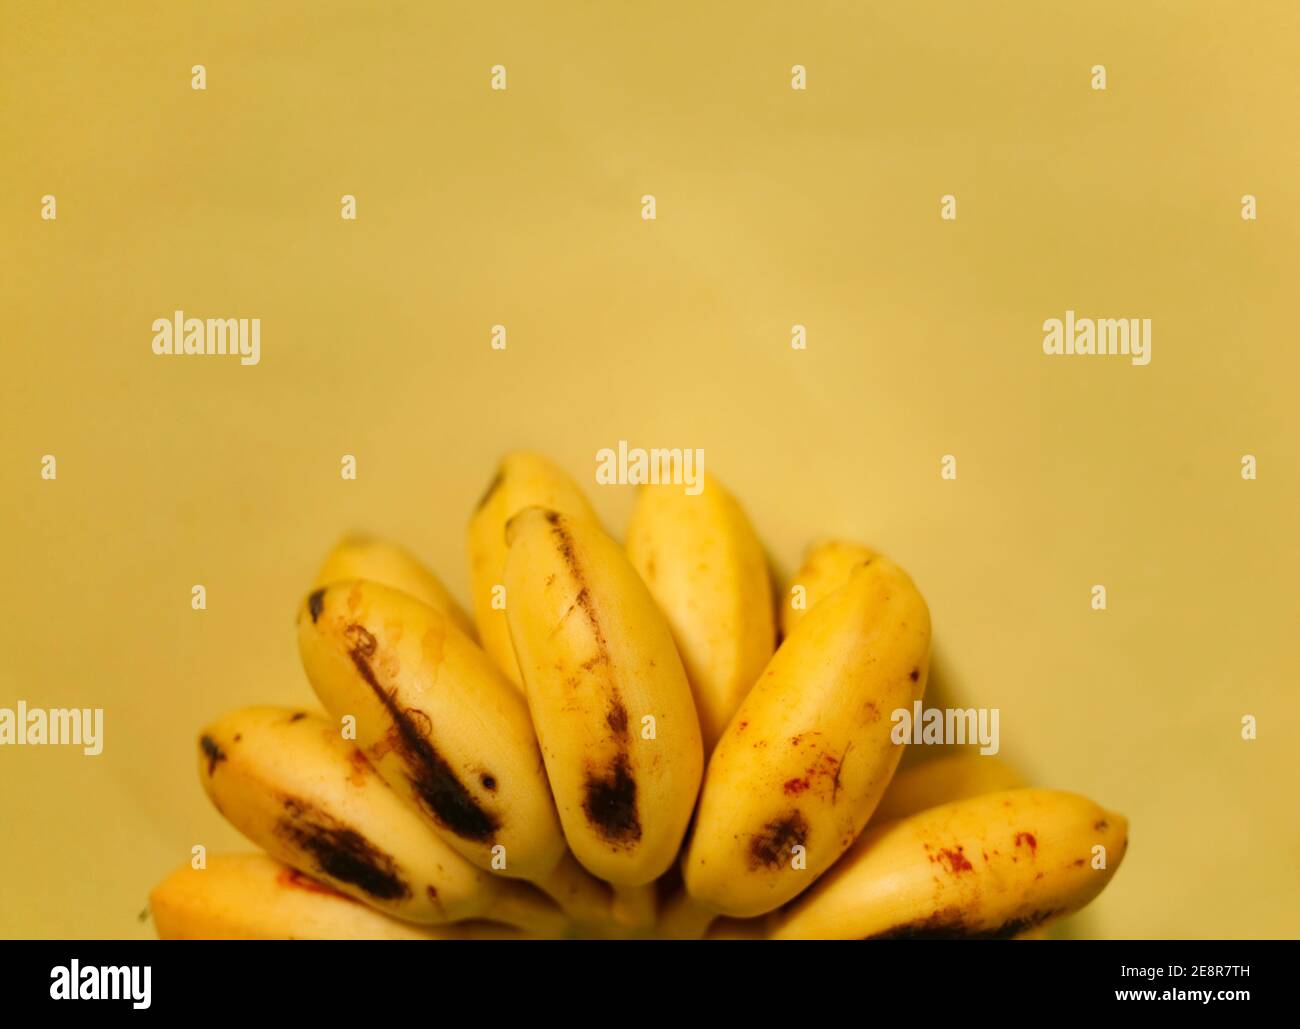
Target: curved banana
point(363, 557)
point(289, 782)
point(987, 867)
point(807, 757)
point(942, 781)
point(945, 780)
point(826, 567)
point(704, 565)
point(446, 730)
point(522, 480)
point(608, 695)
point(254, 897)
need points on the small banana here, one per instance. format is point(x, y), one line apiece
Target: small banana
point(289, 782)
point(608, 695)
point(939, 781)
point(807, 757)
point(942, 781)
point(254, 897)
point(446, 730)
point(945, 780)
point(363, 557)
point(522, 480)
point(988, 867)
point(704, 565)
point(826, 567)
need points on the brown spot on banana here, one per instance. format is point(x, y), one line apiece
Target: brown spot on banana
point(433, 779)
point(610, 803)
point(212, 751)
point(948, 925)
point(341, 852)
point(773, 845)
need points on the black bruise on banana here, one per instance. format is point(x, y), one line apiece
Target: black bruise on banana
point(445, 796)
point(947, 925)
point(609, 800)
point(610, 803)
point(583, 599)
point(213, 752)
point(616, 719)
point(341, 853)
point(773, 845)
point(315, 605)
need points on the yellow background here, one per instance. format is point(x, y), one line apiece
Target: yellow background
point(775, 207)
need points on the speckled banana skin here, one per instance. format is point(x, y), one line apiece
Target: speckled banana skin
point(807, 757)
point(603, 676)
point(437, 719)
point(988, 867)
point(254, 897)
point(446, 730)
point(289, 782)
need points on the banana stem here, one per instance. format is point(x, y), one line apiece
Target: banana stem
point(684, 919)
point(634, 908)
point(519, 904)
point(581, 896)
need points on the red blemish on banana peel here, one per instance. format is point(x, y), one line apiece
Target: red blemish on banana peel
point(1029, 840)
point(360, 768)
point(953, 860)
point(292, 878)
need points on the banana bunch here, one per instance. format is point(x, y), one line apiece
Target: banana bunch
point(616, 746)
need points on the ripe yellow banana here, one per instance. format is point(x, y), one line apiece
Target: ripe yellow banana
point(289, 782)
point(446, 730)
point(704, 565)
point(807, 757)
point(826, 567)
point(522, 480)
point(942, 781)
point(254, 897)
point(986, 867)
point(608, 695)
point(935, 782)
point(363, 557)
